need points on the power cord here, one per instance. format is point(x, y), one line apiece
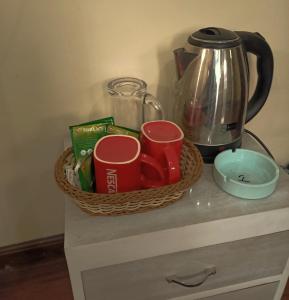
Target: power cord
point(260, 142)
point(285, 168)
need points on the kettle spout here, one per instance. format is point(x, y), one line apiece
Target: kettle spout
point(182, 60)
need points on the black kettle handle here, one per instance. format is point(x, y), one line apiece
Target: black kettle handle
point(257, 45)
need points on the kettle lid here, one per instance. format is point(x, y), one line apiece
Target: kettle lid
point(213, 37)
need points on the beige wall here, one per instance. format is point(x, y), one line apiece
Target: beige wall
point(54, 58)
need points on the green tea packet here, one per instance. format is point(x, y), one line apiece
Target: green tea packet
point(69, 167)
point(113, 129)
point(84, 137)
point(103, 121)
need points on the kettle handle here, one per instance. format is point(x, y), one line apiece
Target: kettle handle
point(257, 45)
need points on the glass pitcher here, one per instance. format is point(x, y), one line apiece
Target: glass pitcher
point(131, 105)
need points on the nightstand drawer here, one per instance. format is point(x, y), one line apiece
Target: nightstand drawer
point(235, 262)
point(260, 292)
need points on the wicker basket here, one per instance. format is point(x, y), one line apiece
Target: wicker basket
point(135, 201)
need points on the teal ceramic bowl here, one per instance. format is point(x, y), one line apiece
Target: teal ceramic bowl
point(245, 173)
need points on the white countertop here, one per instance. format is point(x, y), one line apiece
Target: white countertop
point(204, 202)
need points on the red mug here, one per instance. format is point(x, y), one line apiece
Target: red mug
point(163, 140)
point(117, 163)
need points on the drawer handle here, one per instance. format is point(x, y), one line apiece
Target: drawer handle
point(193, 279)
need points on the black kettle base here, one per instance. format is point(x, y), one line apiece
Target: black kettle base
point(210, 152)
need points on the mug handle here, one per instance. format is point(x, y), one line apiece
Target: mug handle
point(173, 163)
point(150, 101)
point(147, 183)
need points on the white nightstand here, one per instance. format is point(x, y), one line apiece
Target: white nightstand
point(130, 257)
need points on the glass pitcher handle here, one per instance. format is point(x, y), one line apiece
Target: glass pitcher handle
point(150, 101)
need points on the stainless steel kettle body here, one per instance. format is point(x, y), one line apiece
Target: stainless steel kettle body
point(212, 90)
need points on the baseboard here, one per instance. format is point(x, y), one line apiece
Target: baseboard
point(42, 243)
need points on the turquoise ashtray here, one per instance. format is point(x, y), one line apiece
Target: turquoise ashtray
point(245, 173)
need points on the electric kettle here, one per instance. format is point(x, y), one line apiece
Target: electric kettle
point(212, 90)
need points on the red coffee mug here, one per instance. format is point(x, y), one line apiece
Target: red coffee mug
point(117, 164)
point(163, 140)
